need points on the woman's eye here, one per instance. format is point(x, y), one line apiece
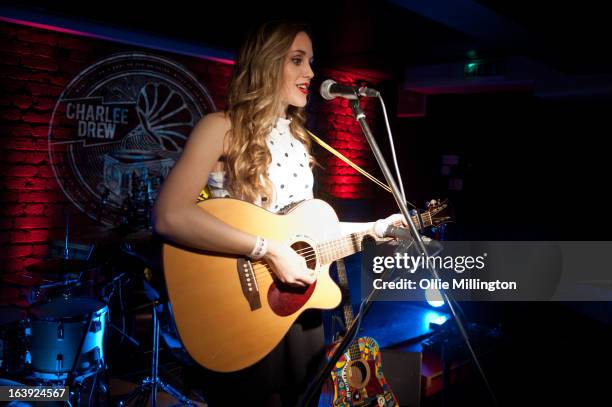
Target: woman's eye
point(297, 61)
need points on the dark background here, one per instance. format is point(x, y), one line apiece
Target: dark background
point(533, 161)
point(533, 156)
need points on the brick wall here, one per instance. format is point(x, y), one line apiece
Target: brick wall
point(35, 67)
point(337, 126)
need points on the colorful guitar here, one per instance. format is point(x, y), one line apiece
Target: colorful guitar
point(358, 378)
point(231, 312)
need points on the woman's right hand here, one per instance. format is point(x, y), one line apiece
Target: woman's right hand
point(289, 267)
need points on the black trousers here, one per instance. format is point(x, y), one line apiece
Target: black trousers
point(279, 379)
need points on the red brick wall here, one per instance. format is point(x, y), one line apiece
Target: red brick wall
point(340, 130)
point(35, 66)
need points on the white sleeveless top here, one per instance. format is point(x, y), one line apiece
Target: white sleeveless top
point(289, 172)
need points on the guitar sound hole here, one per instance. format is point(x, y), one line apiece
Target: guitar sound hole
point(305, 250)
point(357, 375)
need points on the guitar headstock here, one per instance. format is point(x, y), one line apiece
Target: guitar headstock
point(440, 211)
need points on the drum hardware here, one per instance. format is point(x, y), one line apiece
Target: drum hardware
point(60, 277)
point(63, 338)
point(117, 280)
point(148, 385)
point(62, 269)
point(37, 289)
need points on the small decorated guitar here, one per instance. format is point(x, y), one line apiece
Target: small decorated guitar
point(229, 311)
point(358, 378)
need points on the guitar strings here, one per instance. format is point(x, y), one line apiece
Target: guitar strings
point(336, 242)
point(330, 245)
point(308, 253)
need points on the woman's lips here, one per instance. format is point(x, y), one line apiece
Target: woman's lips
point(303, 89)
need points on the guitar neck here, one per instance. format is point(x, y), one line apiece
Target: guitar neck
point(333, 250)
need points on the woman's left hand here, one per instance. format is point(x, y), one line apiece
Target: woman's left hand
point(380, 226)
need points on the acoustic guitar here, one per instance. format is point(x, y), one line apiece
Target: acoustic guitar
point(358, 378)
point(229, 311)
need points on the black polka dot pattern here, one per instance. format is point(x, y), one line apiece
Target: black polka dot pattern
point(289, 170)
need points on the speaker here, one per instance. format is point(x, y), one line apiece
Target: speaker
point(402, 370)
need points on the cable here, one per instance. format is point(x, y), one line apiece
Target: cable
point(397, 171)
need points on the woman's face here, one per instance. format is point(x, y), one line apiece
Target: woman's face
point(297, 72)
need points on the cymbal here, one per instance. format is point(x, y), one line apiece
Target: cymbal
point(22, 279)
point(59, 266)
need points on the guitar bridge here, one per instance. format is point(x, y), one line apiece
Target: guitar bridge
point(248, 282)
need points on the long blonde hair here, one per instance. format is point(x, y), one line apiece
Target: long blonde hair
point(253, 105)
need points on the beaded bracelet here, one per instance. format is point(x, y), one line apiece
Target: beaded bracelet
point(260, 249)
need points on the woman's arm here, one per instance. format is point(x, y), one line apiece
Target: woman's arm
point(178, 218)
point(176, 215)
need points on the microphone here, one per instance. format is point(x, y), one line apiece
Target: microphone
point(331, 90)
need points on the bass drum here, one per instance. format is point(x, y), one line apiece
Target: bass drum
point(67, 334)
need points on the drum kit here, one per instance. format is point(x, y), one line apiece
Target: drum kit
point(59, 338)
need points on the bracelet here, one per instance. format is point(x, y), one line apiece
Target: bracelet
point(260, 249)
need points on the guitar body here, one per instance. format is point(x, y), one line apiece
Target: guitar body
point(229, 312)
point(359, 380)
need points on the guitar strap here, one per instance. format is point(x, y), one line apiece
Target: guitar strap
point(349, 162)
point(342, 279)
point(352, 164)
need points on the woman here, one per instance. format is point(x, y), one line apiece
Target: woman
point(258, 151)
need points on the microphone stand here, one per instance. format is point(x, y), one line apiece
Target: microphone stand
point(361, 118)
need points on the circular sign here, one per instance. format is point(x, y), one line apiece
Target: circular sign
point(117, 130)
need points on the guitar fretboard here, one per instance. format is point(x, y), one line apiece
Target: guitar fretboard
point(345, 246)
